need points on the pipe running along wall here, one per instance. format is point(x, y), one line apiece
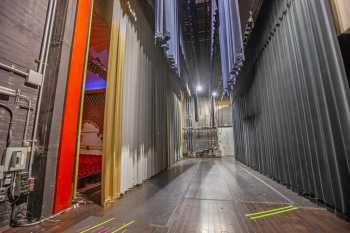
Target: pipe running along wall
point(292, 121)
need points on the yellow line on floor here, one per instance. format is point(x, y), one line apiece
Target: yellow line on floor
point(96, 226)
point(124, 226)
point(274, 213)
point(268, 211)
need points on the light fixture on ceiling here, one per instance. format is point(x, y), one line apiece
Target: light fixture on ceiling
point(214, 94)
point(199, 88)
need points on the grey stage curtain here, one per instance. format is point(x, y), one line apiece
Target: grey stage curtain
point(147, 130)
point(292, 122)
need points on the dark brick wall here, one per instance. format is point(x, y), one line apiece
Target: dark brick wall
point(22, 24)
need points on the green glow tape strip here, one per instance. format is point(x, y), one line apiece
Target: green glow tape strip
point(274, 213)
point(124, 226)
point(96, 226)
point(268, 211)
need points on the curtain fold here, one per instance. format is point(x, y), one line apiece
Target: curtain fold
point(174, 127)
point(111, 164)
point(146, 129)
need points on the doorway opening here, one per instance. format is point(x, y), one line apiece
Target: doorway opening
point(90, 151)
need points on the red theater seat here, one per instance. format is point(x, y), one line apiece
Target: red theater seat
point(89, 165)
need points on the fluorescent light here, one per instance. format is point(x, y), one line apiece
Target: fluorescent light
point(214, 94)
point(199, 88)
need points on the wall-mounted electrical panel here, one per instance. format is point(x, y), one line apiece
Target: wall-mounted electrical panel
point(16, 158)
point(14, 180)
point(34, 78)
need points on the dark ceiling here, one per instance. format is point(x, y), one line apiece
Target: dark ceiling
point(197, 39)
point(196, 15)
point(197, 34)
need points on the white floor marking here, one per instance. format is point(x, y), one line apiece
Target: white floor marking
point(269, 186)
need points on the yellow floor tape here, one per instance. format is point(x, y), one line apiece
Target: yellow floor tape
point(123, 226)
point(275, 213)
point(271, 212)
point(96, 226)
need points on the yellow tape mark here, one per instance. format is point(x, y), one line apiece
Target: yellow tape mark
point(268, 211)
point(96, 226)
point(274, 213)
point(124, 226)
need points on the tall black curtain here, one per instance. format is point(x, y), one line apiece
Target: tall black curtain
point(291, 105)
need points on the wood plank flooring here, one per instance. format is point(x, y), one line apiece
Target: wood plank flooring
point(201, 196)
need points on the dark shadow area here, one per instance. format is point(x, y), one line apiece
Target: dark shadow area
point(344, 42)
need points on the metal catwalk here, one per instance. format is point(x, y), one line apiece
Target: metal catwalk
point(201, 195)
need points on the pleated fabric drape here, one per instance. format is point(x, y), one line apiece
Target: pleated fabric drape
point(112, 135)
point(146, 128)
point(293, 122)
point(174, 126)
point(168, 31)
point(231, 44)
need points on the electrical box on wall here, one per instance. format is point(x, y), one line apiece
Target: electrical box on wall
point(16, 158)
point(34, 78)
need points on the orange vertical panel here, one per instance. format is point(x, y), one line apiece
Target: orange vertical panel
point(65, 170)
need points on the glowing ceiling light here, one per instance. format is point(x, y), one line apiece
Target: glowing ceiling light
point(199, 88)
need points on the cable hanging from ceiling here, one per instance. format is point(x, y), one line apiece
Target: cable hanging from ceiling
point(214, 22)
point(168, 33)
point(231, 44)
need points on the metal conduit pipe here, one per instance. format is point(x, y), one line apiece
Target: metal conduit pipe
point(9, 132)
point(42, 69)
point(7, 91)
point(18, 95)
point(29, 107)
point(13, 69)
point(46, 35)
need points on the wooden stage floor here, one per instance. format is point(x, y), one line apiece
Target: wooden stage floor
point(201, 196)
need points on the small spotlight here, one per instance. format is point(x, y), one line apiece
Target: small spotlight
point(214, 94)
point(199, 88)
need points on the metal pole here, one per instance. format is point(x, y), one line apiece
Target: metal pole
point(13, 69)
point(42, 69)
